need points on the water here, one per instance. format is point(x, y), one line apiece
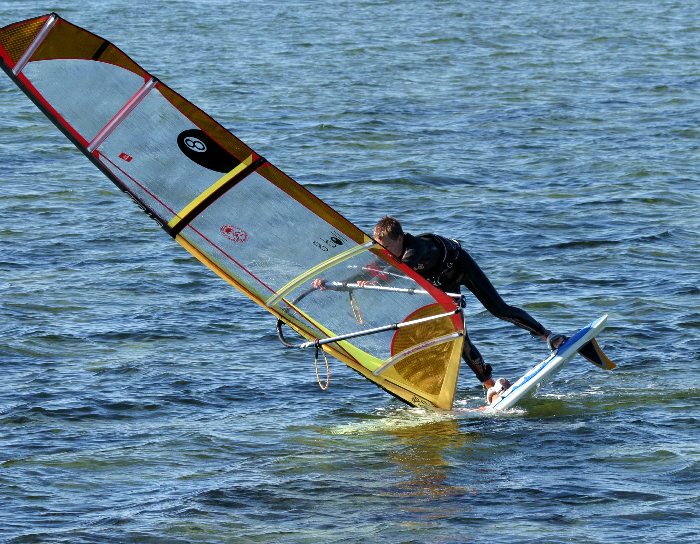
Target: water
point(142, 400)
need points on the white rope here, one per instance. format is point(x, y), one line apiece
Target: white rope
point(323, 386)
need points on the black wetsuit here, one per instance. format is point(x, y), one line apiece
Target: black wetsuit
point(445, 264)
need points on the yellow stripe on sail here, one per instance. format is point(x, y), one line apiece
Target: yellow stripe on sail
point(209, 191)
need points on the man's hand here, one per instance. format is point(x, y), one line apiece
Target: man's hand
point(318, 283)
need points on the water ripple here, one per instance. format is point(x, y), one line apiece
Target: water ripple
point(143, 400)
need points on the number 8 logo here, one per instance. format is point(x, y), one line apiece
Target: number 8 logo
point(195, 144)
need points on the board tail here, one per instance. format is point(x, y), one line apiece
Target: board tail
point(592, 352)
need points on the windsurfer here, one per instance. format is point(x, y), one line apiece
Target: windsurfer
point(448, 266)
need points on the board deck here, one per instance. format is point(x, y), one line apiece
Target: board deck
point(544, 371)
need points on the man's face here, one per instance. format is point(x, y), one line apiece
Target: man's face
point(395, 247)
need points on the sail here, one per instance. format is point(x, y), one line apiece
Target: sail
point(237, 213)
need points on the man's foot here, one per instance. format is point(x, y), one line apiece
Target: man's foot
point(495, 391)
point(555, 341)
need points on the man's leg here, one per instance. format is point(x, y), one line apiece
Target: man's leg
point(476, 281)
point(476, 362)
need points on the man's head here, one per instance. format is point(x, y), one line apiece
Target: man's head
point(389, 233)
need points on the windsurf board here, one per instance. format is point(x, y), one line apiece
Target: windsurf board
point(531, 382)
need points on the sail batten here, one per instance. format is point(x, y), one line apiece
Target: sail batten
point(237, 213)
point(121, 114)
point(415, 349)
point(221, 182)
point(226, 182)
point(40, 37)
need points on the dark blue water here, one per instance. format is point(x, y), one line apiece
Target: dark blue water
point(143, 400)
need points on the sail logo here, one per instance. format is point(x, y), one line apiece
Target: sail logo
point(334, 240)
point(234, 233)
point(195, 144)
point(200, 148)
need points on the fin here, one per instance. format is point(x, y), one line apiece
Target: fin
point(592, 351)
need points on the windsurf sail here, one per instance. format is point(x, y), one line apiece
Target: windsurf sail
point(237, 213)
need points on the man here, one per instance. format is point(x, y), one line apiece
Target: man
point(445, 264)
